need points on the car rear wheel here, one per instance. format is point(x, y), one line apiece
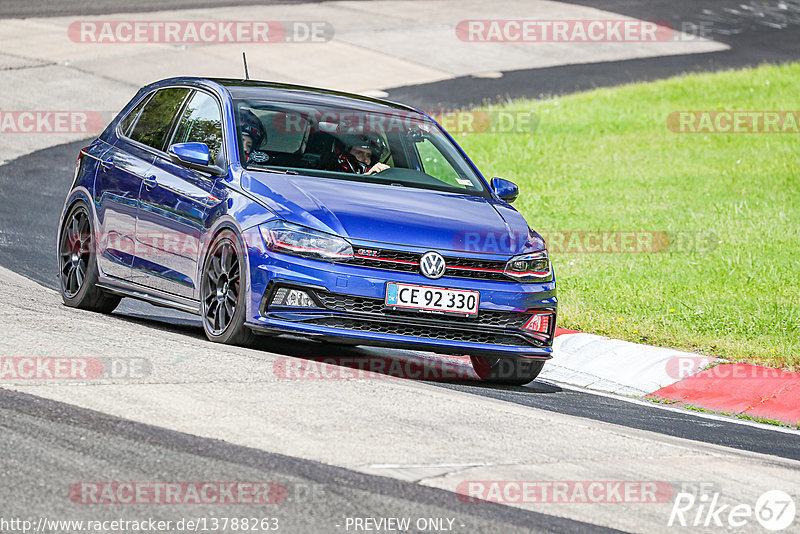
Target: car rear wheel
point(78, 264)
point(511, 370)
point(222, 292)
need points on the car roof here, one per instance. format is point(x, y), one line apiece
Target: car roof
point(283, 92)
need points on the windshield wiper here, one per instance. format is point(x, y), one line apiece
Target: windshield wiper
point(276, 171)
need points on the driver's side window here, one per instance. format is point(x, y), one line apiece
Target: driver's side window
point(202, 123)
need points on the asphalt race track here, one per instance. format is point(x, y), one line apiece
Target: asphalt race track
point(67, 440)
point(48, 445)
point(26, 9)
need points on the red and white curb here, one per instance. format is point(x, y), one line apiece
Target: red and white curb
point(621, 367)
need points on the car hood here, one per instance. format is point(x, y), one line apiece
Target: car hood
point(395, 215)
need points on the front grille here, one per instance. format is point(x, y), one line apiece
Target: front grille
point(391, 266)
point(422, 331)
point(485, 318)
point(395, 260)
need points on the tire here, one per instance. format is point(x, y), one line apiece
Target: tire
point(77, 262)
point(510, 370)
point(222, 293)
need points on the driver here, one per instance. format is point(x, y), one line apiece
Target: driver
point(360, 154)
point(252, 132)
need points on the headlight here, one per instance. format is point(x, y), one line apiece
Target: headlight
point(297, 240)
point(530, 267)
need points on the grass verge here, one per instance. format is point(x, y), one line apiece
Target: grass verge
point(605, 161)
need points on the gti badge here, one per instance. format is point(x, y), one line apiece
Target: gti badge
point(432, 265)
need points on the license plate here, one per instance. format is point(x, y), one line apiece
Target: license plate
point(432, 299)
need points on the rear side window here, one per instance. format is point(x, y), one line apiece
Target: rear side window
point(126, 125)
point(153, 124)
point(201, 123)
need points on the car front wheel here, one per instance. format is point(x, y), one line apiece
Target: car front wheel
point(511, 370)
point(222, 292)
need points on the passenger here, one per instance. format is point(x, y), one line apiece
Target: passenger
point(252, 132)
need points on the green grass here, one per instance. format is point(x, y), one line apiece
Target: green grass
point(605, 160)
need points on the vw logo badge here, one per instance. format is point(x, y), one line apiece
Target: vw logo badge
point(432, 265)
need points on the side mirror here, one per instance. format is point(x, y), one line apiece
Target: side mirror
point(504, 189)
point(194, 156)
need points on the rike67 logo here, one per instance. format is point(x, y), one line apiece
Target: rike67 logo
point(774, 510)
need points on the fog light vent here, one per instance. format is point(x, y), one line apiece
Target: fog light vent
point(539, 325)
point(295, 298)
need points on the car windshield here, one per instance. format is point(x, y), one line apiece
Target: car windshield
point(398, 148)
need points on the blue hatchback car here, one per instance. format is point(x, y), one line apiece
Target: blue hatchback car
point(276, 209)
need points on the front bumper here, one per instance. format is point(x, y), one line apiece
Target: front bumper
point(350, 309)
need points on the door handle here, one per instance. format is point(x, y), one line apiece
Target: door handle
point(150, 182)
point(107, 164)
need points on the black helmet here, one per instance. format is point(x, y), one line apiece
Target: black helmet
point(371, 141)
point(250, 125)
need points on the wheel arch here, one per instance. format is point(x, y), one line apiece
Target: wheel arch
point(79, 194)
point(220, 225)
